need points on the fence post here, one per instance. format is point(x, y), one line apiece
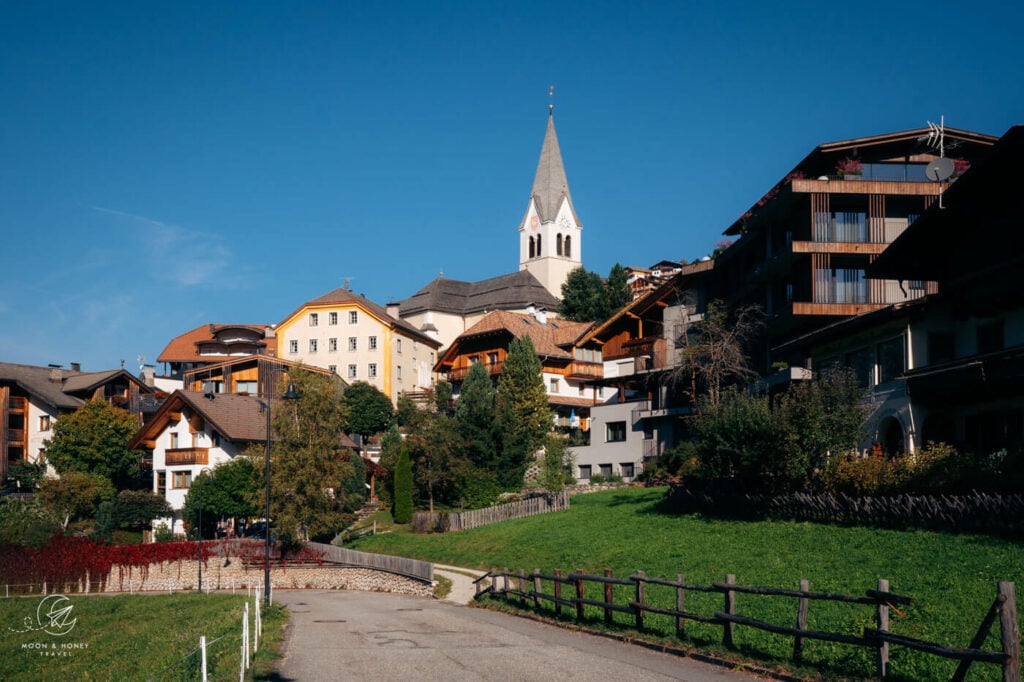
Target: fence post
point(607, 597)
point(801, 622)
point(680, 607)
point(1010, 632)
point(522, 588)
point(730, 609)
point(640, 600)
point(882, 656)
point(202, 645)
point(579, 594)
point(536, 588)
point(558, 592)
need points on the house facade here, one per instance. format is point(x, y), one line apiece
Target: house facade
point(356, 339)
point(803, 249)
point(950, 366)
point(257, 375)
point(191, 434)
point(33, 398)
point(214, 343)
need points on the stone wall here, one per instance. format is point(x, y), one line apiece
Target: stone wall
point(183, 575)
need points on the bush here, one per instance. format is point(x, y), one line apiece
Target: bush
point(162, 533)
point(605, 478)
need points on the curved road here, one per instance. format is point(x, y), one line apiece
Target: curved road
point(376, 636)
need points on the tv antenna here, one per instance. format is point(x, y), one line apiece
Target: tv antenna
point(941, 169)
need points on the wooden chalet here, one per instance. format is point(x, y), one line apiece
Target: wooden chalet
point(256, 375)
point(213, 343)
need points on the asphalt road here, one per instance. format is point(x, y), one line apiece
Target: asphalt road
point(349, 635)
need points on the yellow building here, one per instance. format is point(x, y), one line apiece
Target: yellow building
point(356, 339)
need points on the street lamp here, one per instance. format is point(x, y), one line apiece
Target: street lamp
point(289, 394)
point(199, 528)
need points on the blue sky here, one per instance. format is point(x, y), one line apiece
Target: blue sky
point(167, 165)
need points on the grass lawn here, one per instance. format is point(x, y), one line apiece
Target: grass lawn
point(136, 637)
point(952, 577)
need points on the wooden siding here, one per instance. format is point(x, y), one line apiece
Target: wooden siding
point(861, 248)
point(844, 309)
point(186, 456)
point(891, 187)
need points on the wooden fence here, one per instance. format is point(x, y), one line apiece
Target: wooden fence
point(996, 513)
point(411, 568)
point(529, 588)
point(444, 522)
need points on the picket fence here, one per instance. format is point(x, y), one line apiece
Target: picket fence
point(529, 589)
point(445, 522)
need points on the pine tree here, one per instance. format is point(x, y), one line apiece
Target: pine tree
point(619, 293)
point(403, 488)
point(523, 418)
point(583, 297)
point(474, 416)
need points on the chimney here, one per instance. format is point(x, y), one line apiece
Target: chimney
point(541, 315)
point(149, 376)
point(76, 367)
point(56, 375)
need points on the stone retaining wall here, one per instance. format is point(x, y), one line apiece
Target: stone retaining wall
point(183, 575)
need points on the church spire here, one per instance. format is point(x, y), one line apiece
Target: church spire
point(550, 184)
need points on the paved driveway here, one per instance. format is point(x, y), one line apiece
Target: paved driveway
point(348, 635)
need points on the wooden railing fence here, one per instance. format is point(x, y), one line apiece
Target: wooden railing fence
point(529, 589)
point(411, 568)
point(444, 522)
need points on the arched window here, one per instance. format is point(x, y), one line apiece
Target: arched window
point(558, 245)
point(538, 246)
point(568, 247)
point(532, 247)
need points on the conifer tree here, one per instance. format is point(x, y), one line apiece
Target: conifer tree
point(403, 488)
point(619, 293)
point(474, 416)
point(523, 418)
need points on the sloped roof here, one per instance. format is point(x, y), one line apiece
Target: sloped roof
point(550, 184)
point(548, 337)
point(40, 383)
point(237, 418)
point(185, 348)
point(512, 291)
point(342, 296)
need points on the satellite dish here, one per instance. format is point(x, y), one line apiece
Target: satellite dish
point(939, 170)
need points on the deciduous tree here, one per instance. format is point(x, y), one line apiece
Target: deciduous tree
point(94, 439)
point(369, 410)
point(583, 297)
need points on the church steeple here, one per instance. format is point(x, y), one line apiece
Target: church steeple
point(549, 235)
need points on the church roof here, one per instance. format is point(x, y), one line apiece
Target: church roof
point(513, 291)
point(550, 184)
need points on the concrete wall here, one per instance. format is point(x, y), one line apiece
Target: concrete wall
point(601, 452)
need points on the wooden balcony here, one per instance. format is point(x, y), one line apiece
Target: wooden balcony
point(584, 370)
point(851, 186)
point(457, 374)
point(185, 456)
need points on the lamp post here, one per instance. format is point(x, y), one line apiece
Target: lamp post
point(199, 527)
point(289, 394)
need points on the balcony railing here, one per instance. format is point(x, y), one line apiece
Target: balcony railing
point(585, 370)
point(184, 456)
point(457, 374)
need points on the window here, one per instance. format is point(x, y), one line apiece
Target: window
point(353, 317)
point(215, 439)
point(890, 359)
point(246, 387)
point(585, 471)
point(398, 372)
point(606, 469)
point(941, 347)
point(862, 362)
point(648, 430)
point(627, 469)
point(161, 483)
point(553, 386)
point(371, 370)
point(615, 432)
point(492, 358)
point(352, 373)
point(181, 479)
point(990, 337)
point(312, 345)
point(398, 345)
point(332, 345)
point(352, 345)
point(174, 440)
point(333, 369)
point(372, 343)
point(332, 318)
point(314, 319)
point(44, 422)
point(293, 346)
